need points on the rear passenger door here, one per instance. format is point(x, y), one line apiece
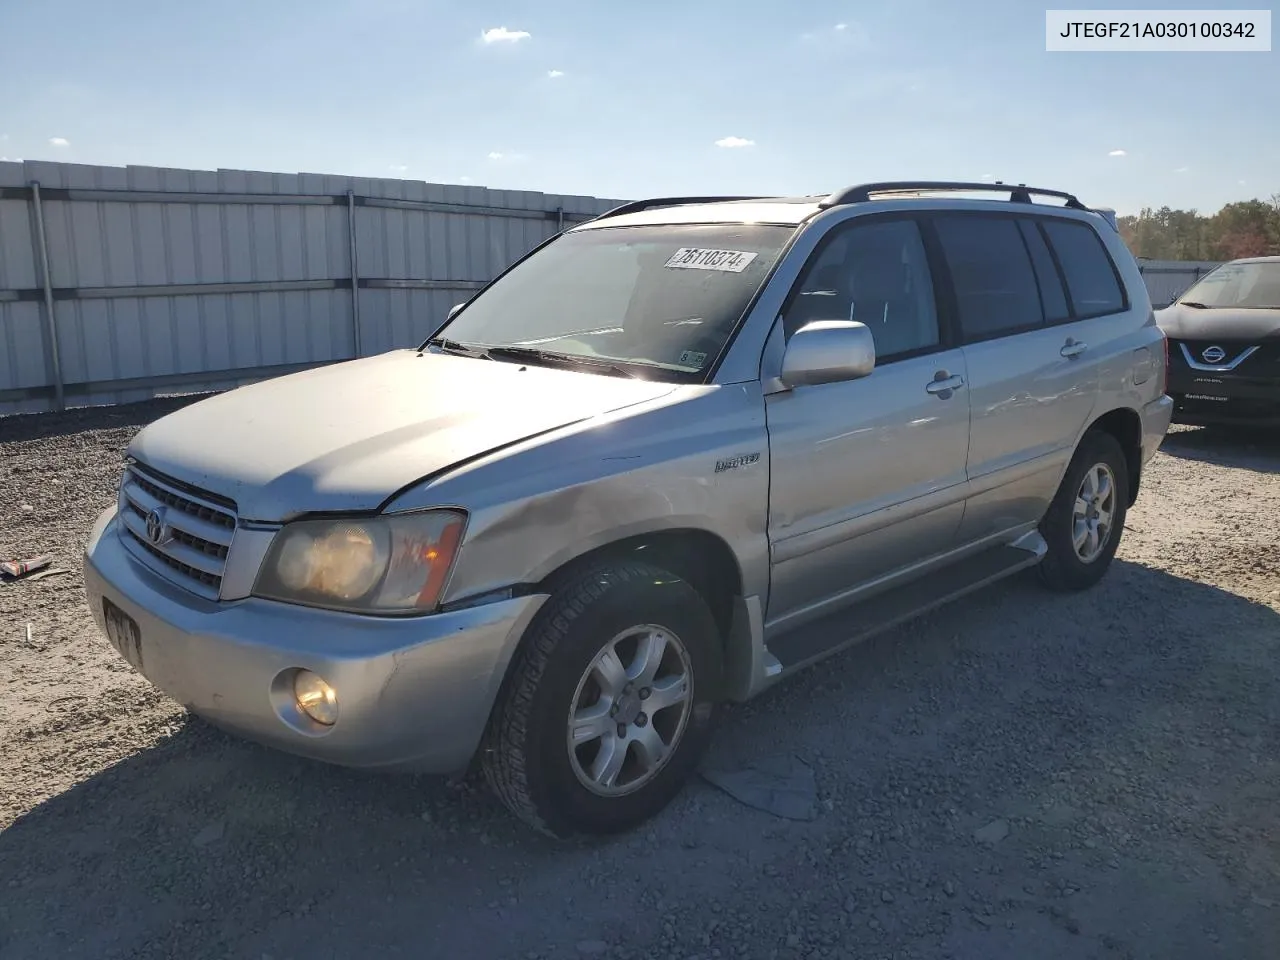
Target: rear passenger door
point(1027, 339)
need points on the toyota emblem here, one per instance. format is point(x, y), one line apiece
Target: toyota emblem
point(1213, 354)
point(155, 525)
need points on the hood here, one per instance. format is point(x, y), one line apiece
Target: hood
point(1225, 324)
point(347, 436)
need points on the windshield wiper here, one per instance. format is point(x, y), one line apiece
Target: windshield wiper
point(549, 358)
point(1194, 303)
point(461, 349)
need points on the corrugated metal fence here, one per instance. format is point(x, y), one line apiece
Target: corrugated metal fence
point(1166, 279)
point(117, 283)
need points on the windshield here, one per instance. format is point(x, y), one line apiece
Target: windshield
point(657, 301)
point(1245, 285)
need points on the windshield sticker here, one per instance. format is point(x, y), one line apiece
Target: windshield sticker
point(700, 258)
point(692, 358)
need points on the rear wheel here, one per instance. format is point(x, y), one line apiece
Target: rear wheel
point(610, 703)
point(1085, 521)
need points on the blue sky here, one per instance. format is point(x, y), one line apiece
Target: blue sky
point(827, 93)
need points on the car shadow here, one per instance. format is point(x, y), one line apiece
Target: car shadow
point(1246, 448)
point(206, 846)
point(21, 427)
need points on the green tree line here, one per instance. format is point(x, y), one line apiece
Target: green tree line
point(1250, 228)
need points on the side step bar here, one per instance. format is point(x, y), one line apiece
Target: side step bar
point(853, 624)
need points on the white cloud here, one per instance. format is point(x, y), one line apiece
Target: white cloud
point(555, 74)
point(464, 179)
point(1241, 182)
point(503, 35)
point(988, 176)
point(839, 35)
point(733, 142)
point(59, 142)
point(398, 168)
point(1118, 153)
point(495, 155)
point(499, 156)
point(1182, 170)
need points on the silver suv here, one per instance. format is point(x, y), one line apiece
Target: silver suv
point(668, 458)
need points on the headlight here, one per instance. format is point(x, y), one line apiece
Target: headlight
point(389, 564)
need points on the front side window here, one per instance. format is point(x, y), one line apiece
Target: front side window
point(1246, 286)
point(991, 273)
point(659, 302)
point(875, 273)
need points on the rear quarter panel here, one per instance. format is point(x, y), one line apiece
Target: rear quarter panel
point(1128, 347)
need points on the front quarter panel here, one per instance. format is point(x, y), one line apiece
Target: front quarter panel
point(697, 459)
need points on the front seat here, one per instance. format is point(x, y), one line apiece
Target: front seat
point(882, 299)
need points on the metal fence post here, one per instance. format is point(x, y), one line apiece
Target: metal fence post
point(51, 321)
point(355, 271)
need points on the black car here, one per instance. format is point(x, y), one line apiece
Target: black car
point(1224, 346)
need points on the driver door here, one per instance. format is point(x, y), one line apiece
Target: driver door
point(867, 476)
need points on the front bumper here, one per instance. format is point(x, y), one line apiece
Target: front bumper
point(414, 693)
point(1211, 410)
point(1224, 398)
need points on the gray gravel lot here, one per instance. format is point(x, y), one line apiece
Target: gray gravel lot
point(1019, 775)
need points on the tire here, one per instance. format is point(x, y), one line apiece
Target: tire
point(1063, 567)
point(527, 759)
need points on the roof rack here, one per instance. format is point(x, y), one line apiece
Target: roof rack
point(1017, 194)
point(636, 206)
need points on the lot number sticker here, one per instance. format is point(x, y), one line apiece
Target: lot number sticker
point(700, 258)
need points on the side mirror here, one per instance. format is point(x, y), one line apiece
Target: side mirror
point(455, 308)
point(828, 351)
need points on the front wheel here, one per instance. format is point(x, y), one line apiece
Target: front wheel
point(1085, 520)
point(610, 702)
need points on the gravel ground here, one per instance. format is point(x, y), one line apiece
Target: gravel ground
point(1020, 775)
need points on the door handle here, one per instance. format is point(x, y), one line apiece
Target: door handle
point(1073, 348)
point(943, 385)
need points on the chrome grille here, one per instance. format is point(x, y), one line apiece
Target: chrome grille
point(191, 533)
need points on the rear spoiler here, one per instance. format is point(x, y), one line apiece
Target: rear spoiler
point(1107, 214)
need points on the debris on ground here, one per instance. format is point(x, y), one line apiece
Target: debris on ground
point(12, 569)
point(782, 786)
point(48, 572)
point(210, 834)
point(993, 832)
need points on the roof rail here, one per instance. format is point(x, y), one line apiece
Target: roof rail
point(1017, 194)
point(636, 206)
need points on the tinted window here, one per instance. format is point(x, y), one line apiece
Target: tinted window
point(1052, 297)
point(875, 273)
point(1091, 280)
point(995, 287)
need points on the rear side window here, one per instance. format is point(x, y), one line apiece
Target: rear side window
point(1091, 277)
point(991, 272)
point(1052, 297)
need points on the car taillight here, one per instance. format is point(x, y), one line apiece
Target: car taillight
point(1164, 340)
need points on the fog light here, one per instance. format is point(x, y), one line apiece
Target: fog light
point(315, 698)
